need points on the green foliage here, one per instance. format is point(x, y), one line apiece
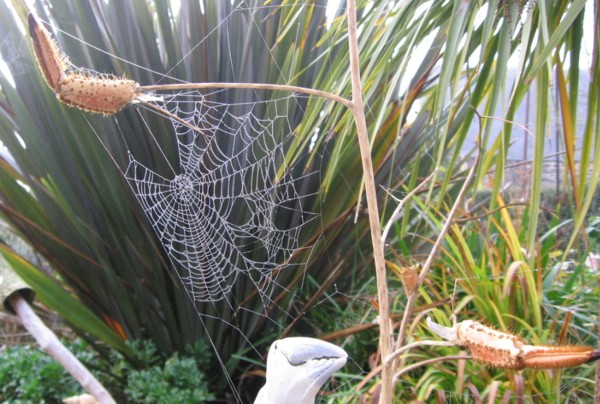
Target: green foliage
point(176, 380)
point(484, 269)
point(76, 210)
point(30, 375)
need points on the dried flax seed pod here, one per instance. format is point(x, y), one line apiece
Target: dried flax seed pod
point(107, 95)
point(557, 357)
point(492, 347)
point(53, 63)
point(103, 94)
point(508, 351)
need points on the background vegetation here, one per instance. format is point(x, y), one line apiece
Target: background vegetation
point(62, 193)
point(27, 374)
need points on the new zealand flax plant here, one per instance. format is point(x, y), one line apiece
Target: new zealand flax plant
point(438, 61)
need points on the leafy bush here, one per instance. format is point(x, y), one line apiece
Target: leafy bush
point(179, 379)
point(30, 375)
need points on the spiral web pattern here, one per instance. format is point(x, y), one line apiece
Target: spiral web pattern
point(217, 215)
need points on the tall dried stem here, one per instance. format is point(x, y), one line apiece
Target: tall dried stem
point(357, 108)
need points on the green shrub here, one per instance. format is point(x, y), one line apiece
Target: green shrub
point(30, 375)
point(176, 380)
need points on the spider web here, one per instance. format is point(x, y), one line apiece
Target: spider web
point(229, 195)
point(219, 214)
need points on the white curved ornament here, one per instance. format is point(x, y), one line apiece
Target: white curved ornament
point(297, 367)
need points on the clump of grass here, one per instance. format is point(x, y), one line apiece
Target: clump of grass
point(489, 275)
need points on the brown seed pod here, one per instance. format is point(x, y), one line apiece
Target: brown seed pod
point(103, 94)
point(507, 351)
point(492, 347)
point(557, 357)
point(106, 95)
point(52, 61)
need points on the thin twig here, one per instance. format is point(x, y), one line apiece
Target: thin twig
point(168, 114)
point(253, 86)
point(429, 362)
point(417, 344)
point(374, 372)
point(449, 222)
point(377, 369)
point(490, 213)
point(401, 204)
point(332, 336)
point(385, 334)
point(545, 157)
